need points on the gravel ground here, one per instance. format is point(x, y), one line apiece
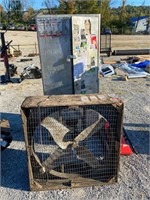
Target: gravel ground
point(134, 177)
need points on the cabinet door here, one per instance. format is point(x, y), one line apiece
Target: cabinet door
point(54, 37)
point(85, 40)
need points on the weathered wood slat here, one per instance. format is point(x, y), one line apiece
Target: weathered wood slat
point(69, 100)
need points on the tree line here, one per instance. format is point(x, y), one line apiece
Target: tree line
point(117, 19)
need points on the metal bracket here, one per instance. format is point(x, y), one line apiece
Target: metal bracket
point(71, 57)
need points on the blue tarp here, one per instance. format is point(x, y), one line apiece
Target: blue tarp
point(135, 19)
point(132, 71)
point(141, 64)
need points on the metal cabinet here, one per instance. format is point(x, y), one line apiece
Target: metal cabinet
point(69, 53)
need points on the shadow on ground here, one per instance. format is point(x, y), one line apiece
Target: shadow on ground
point(15, 125)
point(12, 80)
point(14, 173)
point(139, 138)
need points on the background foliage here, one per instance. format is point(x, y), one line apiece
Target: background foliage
point(117, 19)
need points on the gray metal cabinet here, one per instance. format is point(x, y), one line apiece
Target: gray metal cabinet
point(69, 53)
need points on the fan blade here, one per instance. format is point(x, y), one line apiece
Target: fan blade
point(64, 175)
point(85, 155)
point(42, 170)
point(57, 131)
point(48, 163)
point(87, 132)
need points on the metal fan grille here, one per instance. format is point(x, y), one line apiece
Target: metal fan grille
point(73, 146)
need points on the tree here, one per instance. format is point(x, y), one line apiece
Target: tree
point(83, 7)
point(122, 16)
point(1, 9)
point(7, 6)
point(78, 7)
point(29, 14)
point(67, 7)
point(72, 6)
point(16, 10)
point(2, 13)
point(88, 7)
point(105, 13)
point(50, 4)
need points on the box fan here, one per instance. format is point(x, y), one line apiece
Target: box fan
point(72, 140)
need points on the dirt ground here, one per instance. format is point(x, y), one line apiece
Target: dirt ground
point(130, 42)
point(134, 178)
point(27, 40)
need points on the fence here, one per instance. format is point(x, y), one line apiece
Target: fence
point(26, 49)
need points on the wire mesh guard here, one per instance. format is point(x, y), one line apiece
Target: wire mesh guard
point(72, 141)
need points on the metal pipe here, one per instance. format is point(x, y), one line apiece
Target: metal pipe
point(5, 56)
point(132, 52)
